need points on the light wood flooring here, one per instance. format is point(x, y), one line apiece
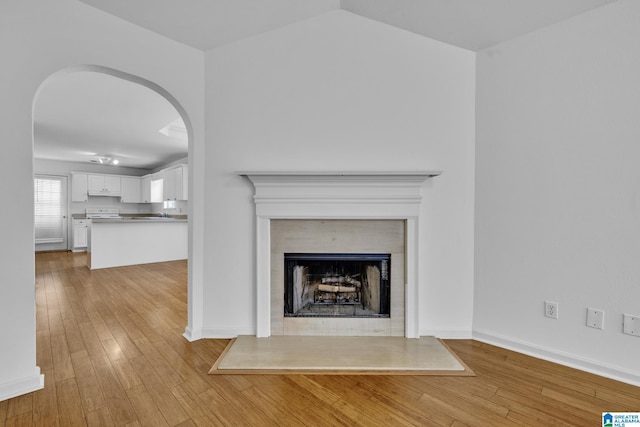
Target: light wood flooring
point(110, 344)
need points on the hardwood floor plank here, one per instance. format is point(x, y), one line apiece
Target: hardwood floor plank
point(69, 407)
point(126, 374)
point(92, 343)
point(405, 399)
point(232, 409)
point(61, 358)
point(99, 418)
point(3, 412)
point(619, 399)
point(169, 376)
point(191, 402)
point(88, 385)
point(119, 405)
point(339, 412)
point(159, 392)
point(45, 406)
point(75, 343)
point(110, 345)
point(23, 420)
point(148, 412)
point(56, 327)
point(128, 348)
point(468, 415)
point(371, 406)
point(548, 406)
point(277, 413)
point(20, 405)
point(182, 368)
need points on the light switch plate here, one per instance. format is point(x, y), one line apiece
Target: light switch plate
point(595, 318)
point(631, 325)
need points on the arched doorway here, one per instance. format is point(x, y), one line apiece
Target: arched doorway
point(168, 122)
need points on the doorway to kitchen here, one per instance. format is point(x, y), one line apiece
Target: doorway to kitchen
point(98, 153)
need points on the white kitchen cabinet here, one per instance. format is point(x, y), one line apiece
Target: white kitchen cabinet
point(131, 190)
point(79, 190)
point(157, 190)
point(145, 189)
point(80, 233)
point(169, 178)
point(175, 183)
point(104, 185)
point(119, 243)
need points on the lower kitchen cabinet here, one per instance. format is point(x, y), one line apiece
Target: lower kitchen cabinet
point(80, 234)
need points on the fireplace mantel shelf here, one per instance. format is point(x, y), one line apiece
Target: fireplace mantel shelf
point(375, 175)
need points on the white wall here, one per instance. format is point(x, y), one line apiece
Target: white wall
point(340, 92)
point(37, 39)
point(558, 189)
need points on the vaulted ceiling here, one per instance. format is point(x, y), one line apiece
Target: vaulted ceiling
point(79, 116)
point(470, 24)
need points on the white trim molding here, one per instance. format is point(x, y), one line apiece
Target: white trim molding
point(192, 335)
point(566, 359)
point(22, 386)
point(337, 195)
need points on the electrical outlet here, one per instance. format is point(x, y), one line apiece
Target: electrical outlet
point(551, 309)
point(631, 325)
point(595, 318)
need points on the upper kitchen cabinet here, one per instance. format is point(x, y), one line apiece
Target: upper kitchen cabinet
point(131, 190)
point(175, 183)
point(79, 190)
point(145, 189)
point(104, 185)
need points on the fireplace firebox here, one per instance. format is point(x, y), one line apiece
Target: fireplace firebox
point(337, 285)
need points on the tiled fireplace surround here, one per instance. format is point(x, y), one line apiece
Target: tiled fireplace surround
point(310, 200)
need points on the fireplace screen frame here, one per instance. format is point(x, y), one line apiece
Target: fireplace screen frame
point(350, 265)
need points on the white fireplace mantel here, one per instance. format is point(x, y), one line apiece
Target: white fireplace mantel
point(337, 195)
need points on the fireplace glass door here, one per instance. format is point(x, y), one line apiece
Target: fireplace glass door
point(337, 285)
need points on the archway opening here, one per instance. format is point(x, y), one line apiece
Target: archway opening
point(100, 121)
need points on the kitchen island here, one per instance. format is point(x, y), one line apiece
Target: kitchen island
point(140, 240)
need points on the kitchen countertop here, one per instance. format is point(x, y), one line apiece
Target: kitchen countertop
point(128, 217)
point(139, 220)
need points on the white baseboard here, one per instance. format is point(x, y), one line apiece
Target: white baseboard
point(22, 385)
point(222, 333)
point(566, 359)
point(192, 334)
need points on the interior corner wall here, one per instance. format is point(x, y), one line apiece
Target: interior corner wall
point(558, 190)
point(340, 92)
point(39, 38)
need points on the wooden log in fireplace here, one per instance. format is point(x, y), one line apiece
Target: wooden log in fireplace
point(314, 282)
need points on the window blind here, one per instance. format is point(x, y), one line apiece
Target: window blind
point(48, 210)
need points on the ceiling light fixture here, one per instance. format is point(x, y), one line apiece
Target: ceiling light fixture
point(106, 160)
